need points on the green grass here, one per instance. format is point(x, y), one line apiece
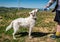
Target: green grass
point(7, 17)
point(58, 40)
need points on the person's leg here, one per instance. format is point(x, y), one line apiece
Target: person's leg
point(57, 19)
point(58, 30)
point(57, 35)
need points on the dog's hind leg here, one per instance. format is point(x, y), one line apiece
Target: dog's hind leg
point(15, 27)
point(14, 34)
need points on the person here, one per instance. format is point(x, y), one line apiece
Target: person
point(57, 16)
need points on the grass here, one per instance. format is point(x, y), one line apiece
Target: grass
point(44, 21)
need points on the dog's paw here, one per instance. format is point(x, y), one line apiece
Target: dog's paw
point(5, 30)
point(14, 38)
point(30, 37)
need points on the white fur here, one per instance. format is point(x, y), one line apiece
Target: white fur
point(24, 22)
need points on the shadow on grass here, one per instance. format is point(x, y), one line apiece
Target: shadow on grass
point(34, 34)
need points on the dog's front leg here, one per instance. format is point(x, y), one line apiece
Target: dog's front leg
point(30, 30)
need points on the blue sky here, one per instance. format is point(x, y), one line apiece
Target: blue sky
point(24, 3)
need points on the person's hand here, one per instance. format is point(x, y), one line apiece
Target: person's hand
point(46, 9)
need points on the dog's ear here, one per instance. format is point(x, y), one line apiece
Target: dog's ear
point(36, 10)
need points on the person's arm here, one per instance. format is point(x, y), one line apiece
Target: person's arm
point(50, 3)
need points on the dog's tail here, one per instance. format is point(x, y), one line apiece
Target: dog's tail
point(9, 27)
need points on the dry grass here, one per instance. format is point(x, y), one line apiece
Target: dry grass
point(41, 32)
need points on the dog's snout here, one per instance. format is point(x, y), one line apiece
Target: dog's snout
point(35, 19)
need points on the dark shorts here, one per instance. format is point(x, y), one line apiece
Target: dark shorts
point(57, 17)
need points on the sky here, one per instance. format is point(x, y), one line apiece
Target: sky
point(24, 3)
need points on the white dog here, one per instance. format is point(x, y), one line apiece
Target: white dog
point(24, 22)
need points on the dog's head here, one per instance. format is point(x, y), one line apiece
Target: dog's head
point(33, 13)
point(36, 10)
